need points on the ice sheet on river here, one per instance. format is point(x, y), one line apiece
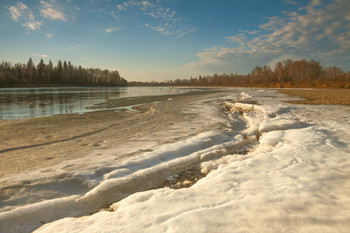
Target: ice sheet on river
point(271, 167)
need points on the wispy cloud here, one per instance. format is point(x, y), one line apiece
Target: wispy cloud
point(22, 14)
point(33, 25)
point(112, 29)
point(17, 11)
point(50, 11)
point(159, 29)
point(316, 31)
point(155, 10)
point(41, 55)
point(48, 35)
point(165, 20)
point(123, 6)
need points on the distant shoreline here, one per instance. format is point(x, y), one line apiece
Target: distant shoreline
point(296, 85)
point(48, 85)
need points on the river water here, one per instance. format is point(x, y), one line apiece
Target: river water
point(18, 103)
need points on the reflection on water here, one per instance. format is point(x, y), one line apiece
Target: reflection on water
point(17, 103)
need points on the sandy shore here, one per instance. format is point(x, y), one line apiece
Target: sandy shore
point(320, 96)
point(28, 144)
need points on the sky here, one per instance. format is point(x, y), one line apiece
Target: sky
point(158, 40)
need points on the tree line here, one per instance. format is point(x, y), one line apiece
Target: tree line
point(286, 73)
point(63, 74)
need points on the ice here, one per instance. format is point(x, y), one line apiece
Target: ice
point(270, 167)
point(244, 96)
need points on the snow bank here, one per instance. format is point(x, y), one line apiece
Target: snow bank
point(295, 180)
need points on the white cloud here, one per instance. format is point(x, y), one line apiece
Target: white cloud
point(316, 31)
point(121, 7)
point(22, 14)
point(159, 29)
point(167, 21)
point(169, 30)
point(49, 11)
point(154, 10)
point(112, 29)
point(48, 35)
point(32, 25)
point(17, 11)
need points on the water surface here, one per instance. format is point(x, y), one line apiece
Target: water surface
point(18, 103)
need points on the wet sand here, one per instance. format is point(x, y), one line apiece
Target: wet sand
point(319, 96)
point(28, 144)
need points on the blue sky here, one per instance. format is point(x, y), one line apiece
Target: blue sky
point(169, 39)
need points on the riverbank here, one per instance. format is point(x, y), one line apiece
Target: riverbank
point(192, 162)
point(46, 141)
point(28, 144)
point(275, 175)
point(319, 96)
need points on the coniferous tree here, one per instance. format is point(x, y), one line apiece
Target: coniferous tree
point(62, 74)
point(49, 72)
point(30, 70)
point(41, 68)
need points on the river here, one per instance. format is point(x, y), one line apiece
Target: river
point(19, 103)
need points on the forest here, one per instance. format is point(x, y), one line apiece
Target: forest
point(63, 74)
point(286, 73)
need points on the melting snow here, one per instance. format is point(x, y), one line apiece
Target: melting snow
point(274, 167)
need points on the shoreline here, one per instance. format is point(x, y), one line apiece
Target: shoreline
point(148, 161)
point(46, 141)
point(319, 96)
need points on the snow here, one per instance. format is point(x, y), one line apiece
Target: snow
point(272, 167)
